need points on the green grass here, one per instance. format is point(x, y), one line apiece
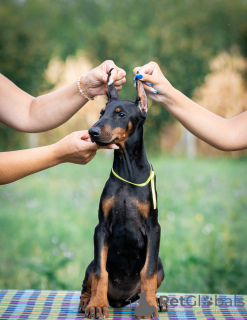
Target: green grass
point(47, 223)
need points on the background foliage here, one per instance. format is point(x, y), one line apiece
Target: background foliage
point(47, 220)
point(181, 35)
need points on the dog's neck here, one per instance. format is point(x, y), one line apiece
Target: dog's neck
point(131, 162)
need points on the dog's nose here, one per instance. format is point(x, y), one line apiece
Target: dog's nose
point(94, 131)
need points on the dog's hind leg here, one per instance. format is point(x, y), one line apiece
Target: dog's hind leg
point(86, 289)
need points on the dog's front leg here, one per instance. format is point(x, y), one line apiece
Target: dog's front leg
point(98, 305)
point(149, 271)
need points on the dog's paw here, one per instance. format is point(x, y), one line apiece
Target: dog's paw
point(96, 312)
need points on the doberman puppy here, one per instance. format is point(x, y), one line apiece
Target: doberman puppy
point(127, 237)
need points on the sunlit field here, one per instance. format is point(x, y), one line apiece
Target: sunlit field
point(47, 223)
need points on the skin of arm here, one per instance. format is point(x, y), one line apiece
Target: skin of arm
point(76, 148)
point(23, 112)
point(221, 133)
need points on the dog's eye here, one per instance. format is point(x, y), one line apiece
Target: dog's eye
point(121, 115)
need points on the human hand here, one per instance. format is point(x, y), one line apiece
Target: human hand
point(94, 82)
point(156, 85)
point(78, 148)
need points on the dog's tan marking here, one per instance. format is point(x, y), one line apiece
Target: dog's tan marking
point(99, 288)
point(108, 134)
point(118, 110)
point(107, 205)
point(120, 132)
point(144, 208)
point(123, 134)
point(130, 126)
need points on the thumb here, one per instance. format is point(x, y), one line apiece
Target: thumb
point(102, 75)
point(86, 140)
point(84, 135)
point(112, 77)
point(109, 64)
point(89, 145)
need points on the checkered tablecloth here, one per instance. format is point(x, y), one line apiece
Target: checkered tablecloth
point(35, 304)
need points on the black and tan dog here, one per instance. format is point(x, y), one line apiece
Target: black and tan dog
point(127, 238)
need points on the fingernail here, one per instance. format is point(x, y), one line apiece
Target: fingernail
point(110, 82)
point(153, 90)
point(149, 84)
point(114, 147)
point(139, 76)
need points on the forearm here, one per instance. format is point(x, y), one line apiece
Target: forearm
point(224, 134)
point(53, 109)
point(23, 112)
point(15, 165)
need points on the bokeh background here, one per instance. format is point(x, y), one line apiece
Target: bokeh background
point(47, 220)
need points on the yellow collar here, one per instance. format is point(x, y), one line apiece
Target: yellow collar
point(150, 178)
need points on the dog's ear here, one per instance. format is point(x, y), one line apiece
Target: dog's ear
point(111, 91)
point(141, 98)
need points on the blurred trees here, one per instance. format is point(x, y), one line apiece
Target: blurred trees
point(223, 92)
point(25, 50)
point(181, 35)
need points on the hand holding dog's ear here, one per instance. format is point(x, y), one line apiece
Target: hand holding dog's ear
point(94, 82)
point(155, 83)
point(117, 74)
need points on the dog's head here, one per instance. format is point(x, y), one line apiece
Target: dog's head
point(119, 118)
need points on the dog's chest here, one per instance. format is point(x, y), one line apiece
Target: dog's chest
point(127, 203)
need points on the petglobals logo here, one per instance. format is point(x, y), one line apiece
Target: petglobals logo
point(202, 300)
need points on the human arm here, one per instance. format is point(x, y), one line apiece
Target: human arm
point(22, 112)
point(224, 134)
point(75, 148)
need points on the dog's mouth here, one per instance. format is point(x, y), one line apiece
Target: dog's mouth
point(102, 143)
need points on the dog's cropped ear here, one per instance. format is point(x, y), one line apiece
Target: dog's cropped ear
point(141, 98)
point(111, 91)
